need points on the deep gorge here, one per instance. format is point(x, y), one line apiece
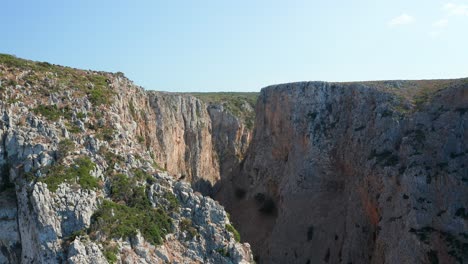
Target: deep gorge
point(310, 172)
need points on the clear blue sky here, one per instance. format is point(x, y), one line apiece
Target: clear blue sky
point(242, 45)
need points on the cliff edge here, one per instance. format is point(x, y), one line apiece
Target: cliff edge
point(372, 172)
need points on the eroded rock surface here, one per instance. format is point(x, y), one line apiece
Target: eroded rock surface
point(356, 173)
point(84, 159)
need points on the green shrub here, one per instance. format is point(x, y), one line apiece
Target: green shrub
point(121, 221)
point(142, 175)
point(80, 232)
point(73, 128)
point(99, 96)
point(120, 188)
point(130, 210)
point(80, 115)
point(65, 146)
point(174, 204)
point(236, 234)
point(105, 133)
point(110, 256)
point(223, 251)
point(50, 112)
point(110, 252)
point(111, 158)
point(76, 173)
point(125, 190)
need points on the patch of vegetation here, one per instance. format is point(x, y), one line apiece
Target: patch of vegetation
point(131, 107)
point(187, 226)
point(110, 252)
point(125, 190)
point(76, 234)
point(411, 96)
point(236, 234)
point(94, 85)
point(105, 133)
point(130, 209)
point(79, 172)
point(80, 115)
point(223, 251)
point(142, 175)
point(157, 166)
point(100, 95)
point(50, 112)
point(174, 203)
point(116, 220)
point(73, 128)
point(110, 157)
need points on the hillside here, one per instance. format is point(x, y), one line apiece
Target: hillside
point(84, 178)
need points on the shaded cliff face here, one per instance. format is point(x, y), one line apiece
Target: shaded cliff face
point(196, 140)
point(359, 172)
point(182, 138)
point(79, 185)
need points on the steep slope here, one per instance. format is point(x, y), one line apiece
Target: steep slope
point(194, 139)
point(81, 182)
point(371, 172)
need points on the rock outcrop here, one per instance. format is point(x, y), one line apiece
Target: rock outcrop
point(356, 173)
point(84, 177)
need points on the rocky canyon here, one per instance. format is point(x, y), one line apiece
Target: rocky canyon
point(95, 169)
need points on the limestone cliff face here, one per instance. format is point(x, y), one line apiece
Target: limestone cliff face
point(356, 173)
point(231, 137)
point(80, 180)
point(182, 138)
point(196, 141)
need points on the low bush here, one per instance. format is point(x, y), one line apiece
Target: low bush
point(50, 112)
point(236, 234)
point(110, 252)
point(187, 226)
point(64, 147)
point(121, 221)
point(79, 172)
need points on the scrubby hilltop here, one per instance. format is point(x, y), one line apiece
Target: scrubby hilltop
point(84, 172)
